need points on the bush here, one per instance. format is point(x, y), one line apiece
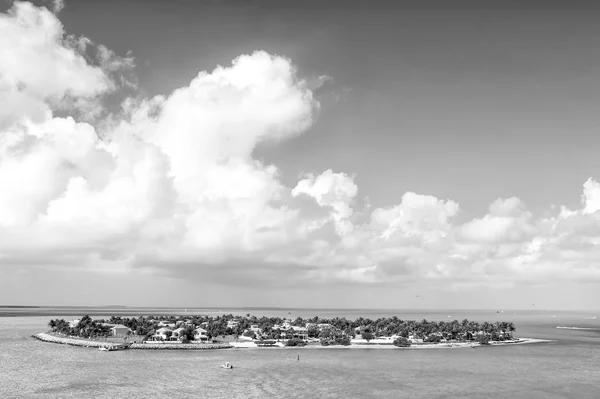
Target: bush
point(483, 340)
point(295, 342)
point(324, 342)
point(345, 341)
point(249, 334)
point(325, 334)
point(367, 336)
point(436, 339)
point(402, 342)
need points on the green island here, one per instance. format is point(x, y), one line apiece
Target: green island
point(229, 331)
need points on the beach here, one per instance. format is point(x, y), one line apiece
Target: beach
point(389, 345)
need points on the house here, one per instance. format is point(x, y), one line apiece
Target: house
point(300, 333)
point(232, 324)
point(74, 323)
point(414, 338)
point(200, 334)
point(178, 334)
point(473, 335)
point(166, 324)
point(361, 329)
point(119, 330)
point(323, 326)
point(162, 334)
point(295, 332)
point(432, 337)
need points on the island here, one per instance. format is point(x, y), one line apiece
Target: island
point(229, 331)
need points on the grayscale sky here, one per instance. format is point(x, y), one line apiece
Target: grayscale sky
point(377, 154)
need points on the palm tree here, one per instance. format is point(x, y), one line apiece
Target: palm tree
point(511, 328)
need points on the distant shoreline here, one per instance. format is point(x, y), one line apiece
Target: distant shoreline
point(45, 337)
point(133, 311)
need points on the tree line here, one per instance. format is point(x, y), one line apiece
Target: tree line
point(335, 330)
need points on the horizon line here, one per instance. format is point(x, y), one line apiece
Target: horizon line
point(285, 308)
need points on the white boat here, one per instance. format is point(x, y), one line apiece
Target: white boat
point(114, 347)
point(227, 365)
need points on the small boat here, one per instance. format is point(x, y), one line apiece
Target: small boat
point(114, 347)
point(227, 365)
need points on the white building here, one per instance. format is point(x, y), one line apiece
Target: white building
point(232, 324)
point(178, 334)
point(200, 334)
point(74, 323)
point(162, 334)
point(119, 330)
point(300, 333)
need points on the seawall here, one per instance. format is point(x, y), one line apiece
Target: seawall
point(168, 346)
point(98, 344)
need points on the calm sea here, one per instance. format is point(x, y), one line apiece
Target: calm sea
point(568, 367)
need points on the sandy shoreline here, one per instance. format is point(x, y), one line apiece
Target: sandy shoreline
point(279, 345)
point(451, 345)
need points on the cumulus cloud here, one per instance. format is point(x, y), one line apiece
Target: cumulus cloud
point(334, 190)
point(507, 221)
point(38, 70)
point(417, 215)
point(172, 187)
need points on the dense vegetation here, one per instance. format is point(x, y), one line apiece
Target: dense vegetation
point(295, 342)
point(336, 331)
point(86, 328)
point(402, 342)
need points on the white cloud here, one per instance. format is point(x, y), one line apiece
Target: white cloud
point(416, 215)
point(37, 70)
point(173, 187)
point(507, 221)
point(591, 196)
point(58, 5)
point(334, 190)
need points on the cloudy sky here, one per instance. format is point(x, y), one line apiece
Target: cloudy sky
point(247, 153)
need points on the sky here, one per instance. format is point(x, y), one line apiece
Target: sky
point(300, 154)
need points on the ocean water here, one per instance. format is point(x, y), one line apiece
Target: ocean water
point(567, 367)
